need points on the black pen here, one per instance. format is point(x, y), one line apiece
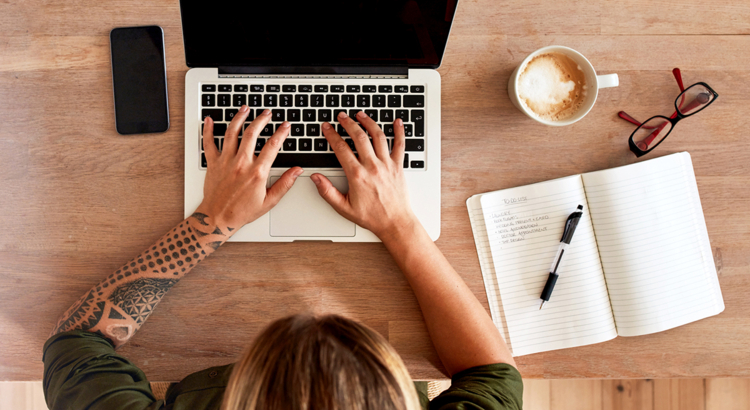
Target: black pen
point(570, 228)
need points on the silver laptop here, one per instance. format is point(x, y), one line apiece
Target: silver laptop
point(306, 61)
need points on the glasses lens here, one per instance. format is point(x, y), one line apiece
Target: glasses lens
point(651, 133)
point(694, 99)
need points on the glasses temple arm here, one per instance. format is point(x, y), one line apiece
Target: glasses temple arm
point(678, 77)
point(628, 118)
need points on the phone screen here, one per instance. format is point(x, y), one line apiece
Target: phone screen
point(140, 80)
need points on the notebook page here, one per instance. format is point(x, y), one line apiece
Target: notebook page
point(653, 244)
point(484, 253)
point(524, 226)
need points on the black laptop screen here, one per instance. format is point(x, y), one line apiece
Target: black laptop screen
point(387, 33)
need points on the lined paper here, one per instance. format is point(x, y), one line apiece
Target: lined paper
point(523, 227)
point(653, 244)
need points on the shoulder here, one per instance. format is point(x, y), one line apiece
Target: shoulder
point(494, 386)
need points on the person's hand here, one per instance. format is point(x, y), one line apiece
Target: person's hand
point(234, 192)
point(378, 199)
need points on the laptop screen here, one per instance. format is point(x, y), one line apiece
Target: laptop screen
point(376, 33)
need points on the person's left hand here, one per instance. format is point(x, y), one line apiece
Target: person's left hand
point(234, 192)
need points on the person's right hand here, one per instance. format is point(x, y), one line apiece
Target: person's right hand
point(378, 199)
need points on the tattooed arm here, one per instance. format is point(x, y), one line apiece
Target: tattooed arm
point(234, 193)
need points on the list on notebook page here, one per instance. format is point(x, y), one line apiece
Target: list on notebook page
point(653, 245)
point(524, 226)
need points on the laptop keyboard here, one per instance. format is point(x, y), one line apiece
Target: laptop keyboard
point(306, 107)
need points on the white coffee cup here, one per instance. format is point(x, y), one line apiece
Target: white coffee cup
point(593, 84)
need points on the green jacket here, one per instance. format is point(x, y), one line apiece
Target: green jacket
point(82, 371)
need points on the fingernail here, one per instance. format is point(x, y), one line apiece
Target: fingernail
point(285, 124)
point(342, 115)
point(298, 172)
point(361, 114)
point(244, 108)
point(266, 112)
point(399, 122)
point(326, 126)
point(209, 119)
point(315, 179)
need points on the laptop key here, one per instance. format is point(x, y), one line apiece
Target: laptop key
point(220, 129)
point(341, 131)
point(269, 100)
point(320, 144)
point(305, 88)
point(408, 130)
point(385, 89)
point(229, 114)
point(298, 130)
point(402, 89)
point(273, 88)
point(386, 115)
point(313, 130)
point(308, 115)
point(225, 87)
point(337, 88)
point(417, 88)
point(208, 100)
point(403, 114)
point(259, 144)
point(321, 88)
point(347, 100)
point(369, 88)
point(406, 160)
point(204, 164)
point(336, 114)
point(415, 145)
point(293, 115)
point(267, 131)
point(290, 144)
point(225, 100)
point(256, 88)
point(417, 164)
point(254, 100)
point(417, 117)
point(332, 100)
point(240, 88)
point(285, 100)
point(352, 88)
point(388, 130)
point(414, 101)
point(278, 115)
point(216, 114)
point(316, 100)
point(289, 88)
point(238, 100)
point(305, 144)
point(300, 100)
point(324, 115)
point(306, 160)
point(208, 87)
point(394, 101)
point(372, 114)
point(378, 101)
point(363, 100)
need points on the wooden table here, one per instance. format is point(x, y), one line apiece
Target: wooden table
point(78, 199)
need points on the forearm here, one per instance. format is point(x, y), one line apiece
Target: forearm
point(461, 330)
point(118, 305)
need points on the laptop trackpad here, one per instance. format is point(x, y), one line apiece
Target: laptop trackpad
point(302, 212)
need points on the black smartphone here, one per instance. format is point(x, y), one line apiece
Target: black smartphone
point(139, 77)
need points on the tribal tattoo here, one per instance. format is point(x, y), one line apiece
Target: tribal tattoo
point(121, 303)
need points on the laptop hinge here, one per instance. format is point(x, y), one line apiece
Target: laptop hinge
point(313, 72)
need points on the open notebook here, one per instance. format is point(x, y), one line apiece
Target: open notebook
point(640, 261)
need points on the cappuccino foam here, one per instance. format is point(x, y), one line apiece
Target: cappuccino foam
point(552, 86)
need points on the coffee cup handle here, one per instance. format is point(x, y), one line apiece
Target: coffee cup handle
point(608, 80)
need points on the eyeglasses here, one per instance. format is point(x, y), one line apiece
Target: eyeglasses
point(654, 130)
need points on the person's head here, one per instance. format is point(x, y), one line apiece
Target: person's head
point(304, 362)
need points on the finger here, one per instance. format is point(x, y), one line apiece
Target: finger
point(273, 145)
point(330, 194)
point(399, 143)
point(252, 131)
point(282, 186)
point(379, 142)
point(209, 147)
point(361, 141)
point(340, 147)
point(233, 131)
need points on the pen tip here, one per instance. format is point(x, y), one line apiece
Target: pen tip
point(542, 305)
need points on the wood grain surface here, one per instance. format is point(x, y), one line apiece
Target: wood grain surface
point(78, 199)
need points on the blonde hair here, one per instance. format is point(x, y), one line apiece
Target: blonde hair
point(303, 362)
